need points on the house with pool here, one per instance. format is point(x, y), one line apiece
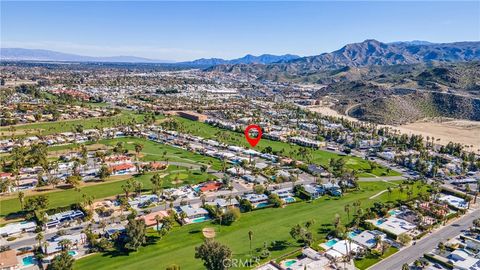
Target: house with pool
point(340, 248)
point(54, 246)
point(332, 189)
point(309, 259)
point(193, 214)
point(393, 225)
point(224, 203)
point(257, 200)
point(286, 194)
point(366, 238)
point(314, 191)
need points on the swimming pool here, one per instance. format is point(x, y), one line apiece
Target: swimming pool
point(72, 253)
point(29, 260)
point(393, 212)
point(290, 263)
point(289, 200)
point(263, 204)
point(353, 234)
point(380, 221)
point(331, 242)
point(200, 219)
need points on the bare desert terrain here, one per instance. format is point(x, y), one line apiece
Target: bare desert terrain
point(443, 130)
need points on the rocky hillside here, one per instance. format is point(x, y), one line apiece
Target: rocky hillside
point(364, 54)
point(401, 109)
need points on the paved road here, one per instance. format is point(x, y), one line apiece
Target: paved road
point(428, 243)
point(381, 178)
point(238, 190)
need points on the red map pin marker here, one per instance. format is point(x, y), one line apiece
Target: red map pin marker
point(253, 141)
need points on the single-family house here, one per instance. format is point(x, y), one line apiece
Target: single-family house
point(8, 260)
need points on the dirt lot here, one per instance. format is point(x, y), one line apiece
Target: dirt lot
point(460, 131)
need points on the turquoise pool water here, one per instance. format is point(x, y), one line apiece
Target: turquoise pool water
point(290, 263)
point(380, 221)
point(263, 204)
point(353, 234)
point(29, 260)
point(393, 212)
point(331, 242)
point(289, 200)
point(72, 253)
point(200, 219)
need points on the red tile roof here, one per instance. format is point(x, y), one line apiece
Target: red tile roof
point(212, 186)
point(150, 218)
point(121, 167)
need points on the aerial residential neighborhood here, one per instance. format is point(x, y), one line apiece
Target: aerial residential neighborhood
point(361, 155)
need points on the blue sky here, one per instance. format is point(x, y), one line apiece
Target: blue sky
point(190, 30)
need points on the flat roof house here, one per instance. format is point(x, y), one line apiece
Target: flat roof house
point(17, 228)
point(463, 260)
point(255, 198)
point(54, 246)
point(194, 214)
point(224, 203)
point(339, 249)
point(254, 179)
point(59, 218)
point(286, 194)
point(367, 238)
point(394, 225)
point(314, 191)
point(453, 201)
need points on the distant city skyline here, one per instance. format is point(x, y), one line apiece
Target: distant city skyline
point(182, 31)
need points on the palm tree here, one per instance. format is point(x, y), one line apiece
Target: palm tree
point(183, 216)
point(476, 192)
point(21, 198)
point(127, 187)
point(250, 238)
point(158, 219)
point(39, 238)
point(346, 208)
point(203, 198)
point(65, 244)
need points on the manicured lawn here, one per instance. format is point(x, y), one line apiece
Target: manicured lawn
point(272, 224)
point(371, 260)
point(46, 128)
point(153, 151)
point(287, 149)
point(107, 189)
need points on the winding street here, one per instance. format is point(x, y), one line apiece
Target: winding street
point(427, 243)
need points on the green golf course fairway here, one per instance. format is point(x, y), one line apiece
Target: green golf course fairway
point(271, 224)
point(107, 189)
point(291, 150)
